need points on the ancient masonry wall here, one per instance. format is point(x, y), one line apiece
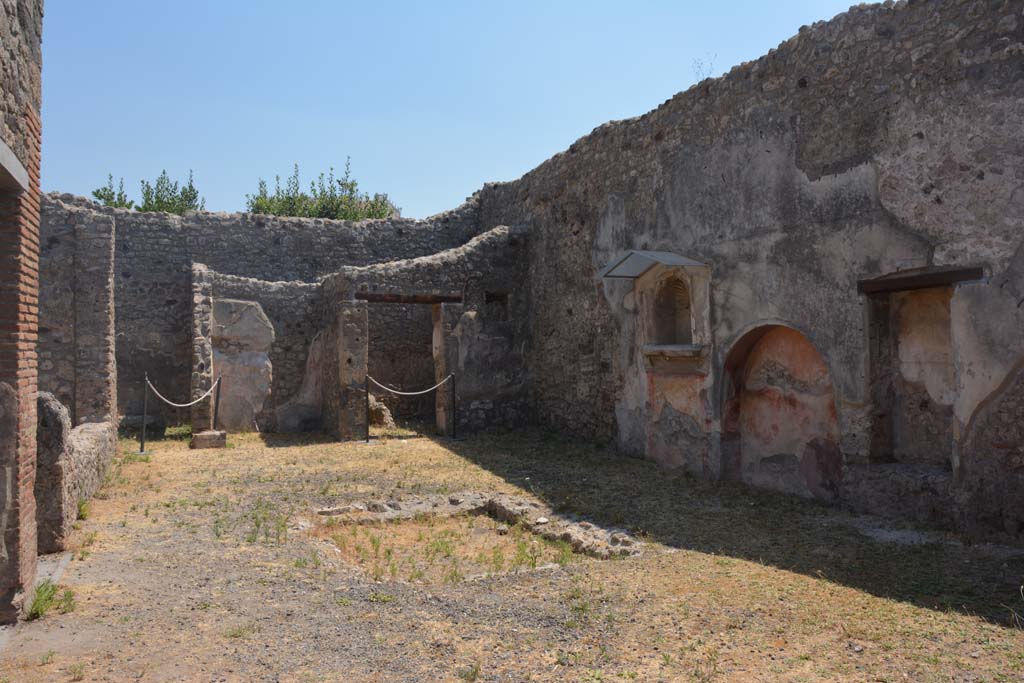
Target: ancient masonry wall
point(154, 255)
point(303, 315)
point(400, 355)
point(882, 140)
point(344, 371)
point(21, 30)
point(77, 405)
point(20, 136)
point(72, 464)
point(483, 340)
point(76, 335)
point(296, 311)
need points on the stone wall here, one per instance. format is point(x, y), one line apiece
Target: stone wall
point(345, 403)
point(490, 388)
point(399, 355)
point(21, 30)
point(76, 332)
point(883, 140)
point(295, 311)
point(242, 339)
point(155, 252)
point(20, 138)
point(72, 466)
point(485, 342)
point(202, 375)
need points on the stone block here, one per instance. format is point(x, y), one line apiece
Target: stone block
point(211, 438)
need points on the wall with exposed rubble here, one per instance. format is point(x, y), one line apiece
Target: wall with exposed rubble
point(155, 252)
point(882, 140)
point(483, 340)
point(72, 464)
point(77, 313)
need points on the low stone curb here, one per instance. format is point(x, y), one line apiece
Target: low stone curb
point(584, 537)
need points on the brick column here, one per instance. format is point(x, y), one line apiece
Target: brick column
point(19, 312)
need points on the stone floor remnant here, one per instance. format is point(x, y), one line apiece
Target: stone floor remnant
point(584, 537)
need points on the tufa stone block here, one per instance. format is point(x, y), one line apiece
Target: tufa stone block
point(211, 438)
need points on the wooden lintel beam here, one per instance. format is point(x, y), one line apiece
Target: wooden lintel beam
point(396, 298)
point(920, 280)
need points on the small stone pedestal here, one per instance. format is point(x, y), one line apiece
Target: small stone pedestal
point(211, 438)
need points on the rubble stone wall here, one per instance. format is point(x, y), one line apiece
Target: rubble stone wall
point(295, 311)
point(72, 465)
point(884, 139)
point(485, 344)
point(77, 314)
point(155, 252)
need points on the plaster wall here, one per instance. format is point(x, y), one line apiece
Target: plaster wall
point(882, 140)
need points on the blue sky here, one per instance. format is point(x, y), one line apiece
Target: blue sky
point(429, 99)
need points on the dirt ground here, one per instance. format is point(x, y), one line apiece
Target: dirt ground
point(204, 566)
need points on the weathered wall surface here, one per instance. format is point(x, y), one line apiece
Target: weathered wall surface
point(795, 173)
point(295, 313)
point(490, 388)
point(486, 344)
point(77, 314)
point(885, 139)
point(21, 31)
point(242, 337)
point(72, 465)
point(400, 355)
point(344, 366)
point(786, 418)
point(20, 138)
point(155, 252)
point(925, 377)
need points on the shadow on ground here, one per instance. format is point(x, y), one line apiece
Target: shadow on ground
point(410, 428)
point(739, 522)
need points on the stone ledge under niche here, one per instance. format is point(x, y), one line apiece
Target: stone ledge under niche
point(676, 357)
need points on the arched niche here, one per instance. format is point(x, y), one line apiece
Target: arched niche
point(671, 319)
point(779, 425)
point(674, 306)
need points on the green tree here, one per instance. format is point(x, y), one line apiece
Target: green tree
point(328, 197)
point(108, 196)
point(167, 195)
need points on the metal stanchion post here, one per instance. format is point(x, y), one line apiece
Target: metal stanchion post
point(216, 403)
point(366, 385)
point(142, 429)
point(455, 409)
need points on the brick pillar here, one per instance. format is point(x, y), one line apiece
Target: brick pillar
point(19, 313)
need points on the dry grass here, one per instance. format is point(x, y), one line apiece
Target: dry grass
point(197, 564)
point(435, 551)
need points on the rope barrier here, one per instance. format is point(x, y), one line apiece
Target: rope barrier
point(409, 393)
point(182, 405)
